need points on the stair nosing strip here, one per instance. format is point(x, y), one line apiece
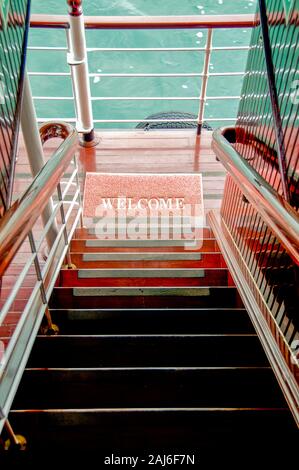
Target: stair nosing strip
point(147, 242)
point(165, 368)
point(177, 309)
point(141, 256)
point(146, 291)
point(153, 287)
point(146, 252)
point(170, 335)
point(130, 410)
point(151, 269)
point(124, 273)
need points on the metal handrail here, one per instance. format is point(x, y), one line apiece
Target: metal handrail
point(18, 221)
point(147, 22)
point(139, 75)
point(141, 49)
point(65, 119)
point(277, 213)
point(21, 225)
point(138, 98)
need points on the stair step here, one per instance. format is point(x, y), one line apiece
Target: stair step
point(216, 434)
point(208, 245)
point(151, 387)
point(143, 243)
point(185, 256)
point(147, 351)
point(152, 321)
point(141, 273)
point(146, 291)
point(159, 278)
point(148, 260)
point(145, 297)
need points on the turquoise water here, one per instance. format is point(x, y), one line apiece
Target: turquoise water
point(142, 62)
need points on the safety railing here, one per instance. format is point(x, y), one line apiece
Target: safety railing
point(267, 122)
point(29, 264)
point(210, 23)
point(258, 232)
point(277, 213)
point(13, 42)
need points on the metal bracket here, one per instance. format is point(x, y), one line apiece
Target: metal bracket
point(16, 441)
point(72, 61)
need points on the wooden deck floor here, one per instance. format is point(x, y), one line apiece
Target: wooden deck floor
point(138, 151)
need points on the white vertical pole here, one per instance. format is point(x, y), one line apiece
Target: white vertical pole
point(205, 77)
point(77, 59)
point(34, 150)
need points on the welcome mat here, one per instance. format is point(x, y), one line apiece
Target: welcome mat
point(144, 206)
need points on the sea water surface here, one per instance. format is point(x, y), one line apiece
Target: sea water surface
point(141, 62)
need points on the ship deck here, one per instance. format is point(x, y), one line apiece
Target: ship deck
point(139, 151)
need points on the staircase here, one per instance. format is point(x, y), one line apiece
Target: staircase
point(155, 353)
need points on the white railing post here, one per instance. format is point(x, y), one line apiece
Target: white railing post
point(35, 151)
point(205, 78)
point(77, 60)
